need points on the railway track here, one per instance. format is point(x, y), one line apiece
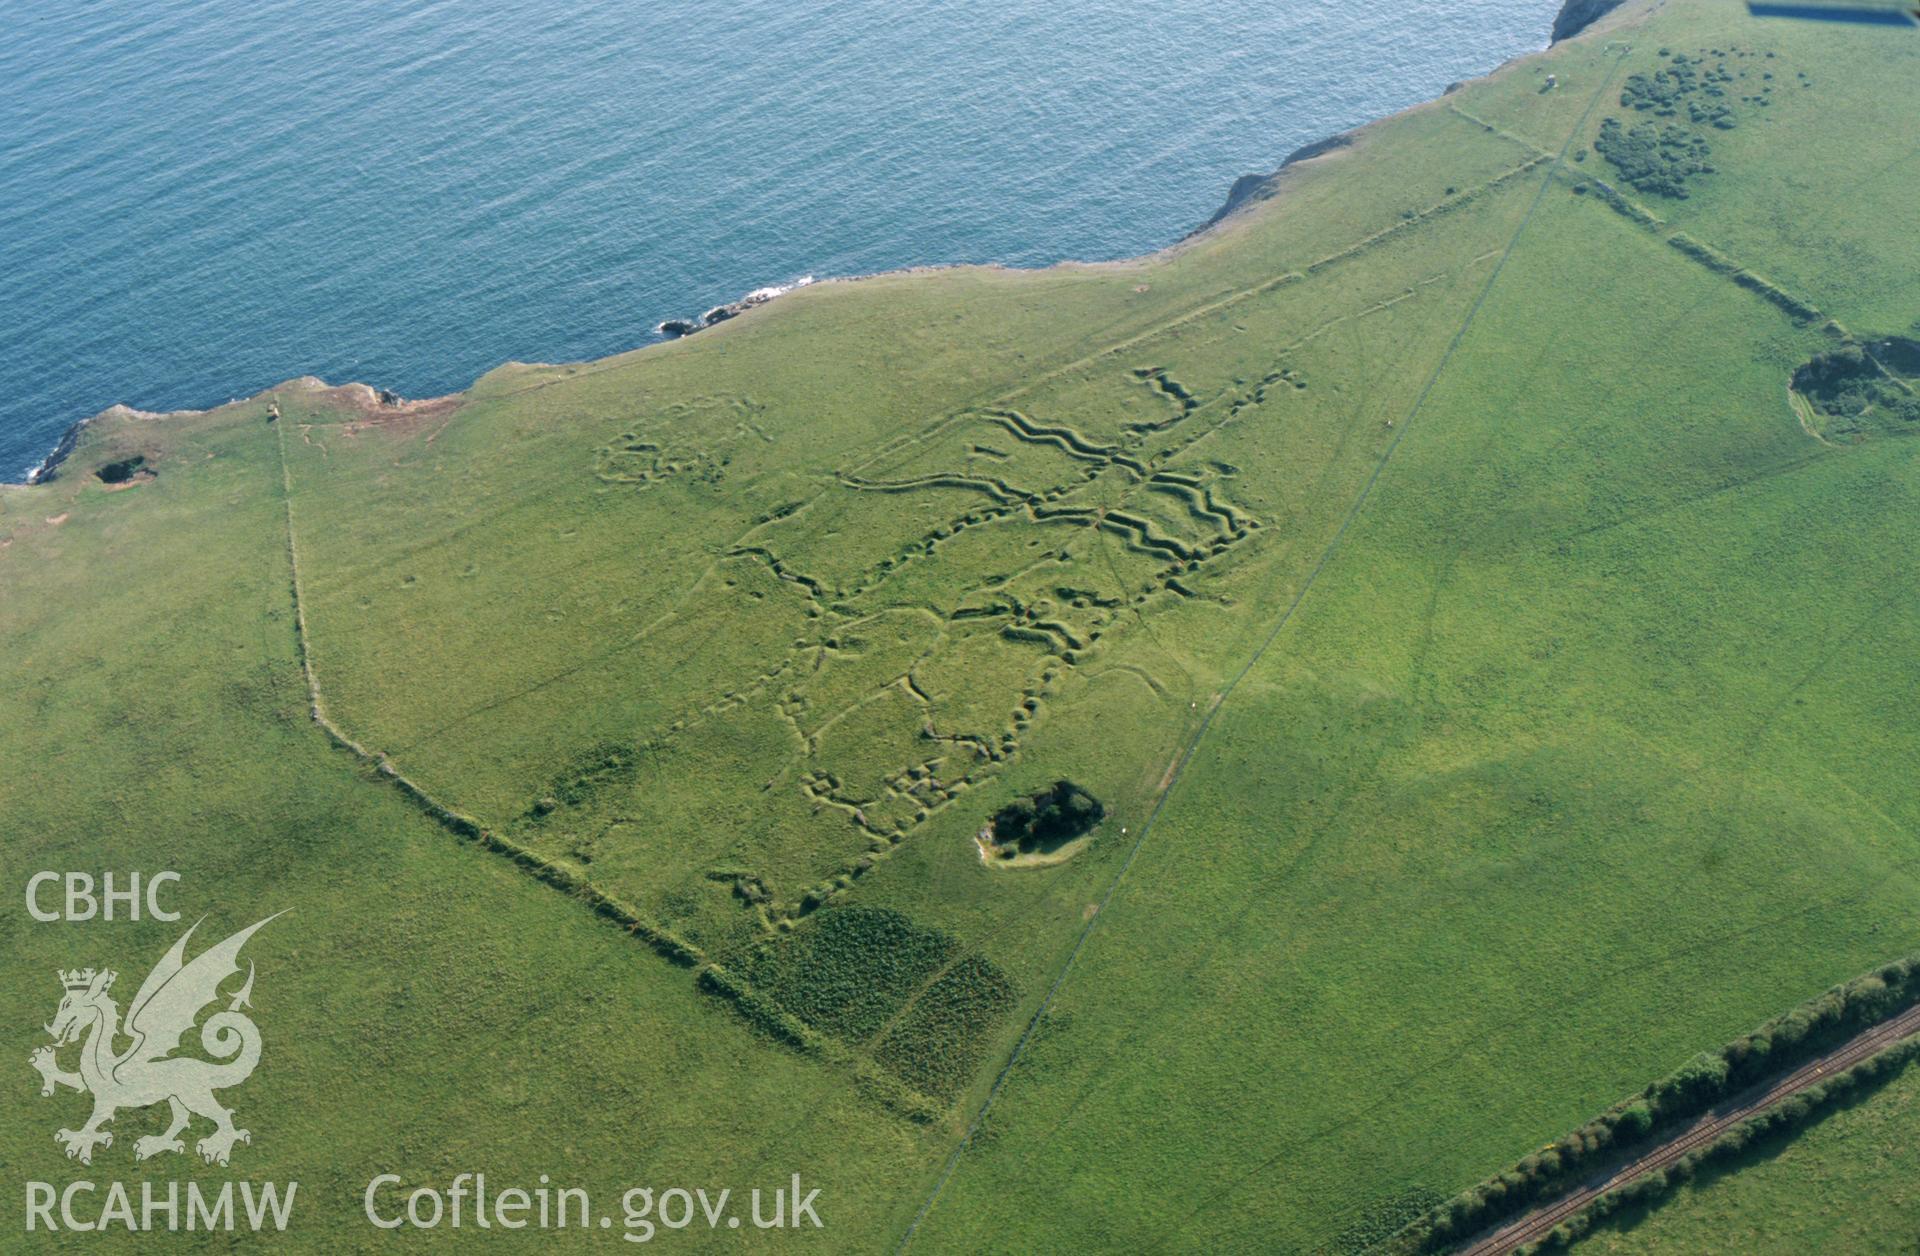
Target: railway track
point(1538, 1223)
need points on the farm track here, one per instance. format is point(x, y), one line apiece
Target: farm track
point(1538, 1223)
point(1137, 532)
point(1193, 743)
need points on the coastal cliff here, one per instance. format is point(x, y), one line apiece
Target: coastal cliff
point(50, 465)
point(1258, 187)
point(1576, 15)
point(1573, 17)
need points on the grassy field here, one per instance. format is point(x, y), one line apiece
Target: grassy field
point(1494, 690)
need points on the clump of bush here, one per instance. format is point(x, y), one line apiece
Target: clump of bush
point(1840, 382)
point(121, 470)
point(1775, 1047)
point(1665, 90)
point(1661, 92)
point(1046, 820)
point(1847, 383)
point(1657, 159)
point(1662, 158)
point(1720, 115)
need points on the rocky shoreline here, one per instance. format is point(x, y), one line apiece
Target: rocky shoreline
point(363, 398)
point(1574, 17)
point(1257, 187)
point(70, 439)
point(51, 463)
point(674, 328)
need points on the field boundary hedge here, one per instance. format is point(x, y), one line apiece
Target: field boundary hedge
point(760, 1013)
point(1793, 1113)
point(1640, 1121)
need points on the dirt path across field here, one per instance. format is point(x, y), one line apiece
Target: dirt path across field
point(1192, 745)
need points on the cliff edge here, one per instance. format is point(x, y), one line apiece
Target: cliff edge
point(1576, 15)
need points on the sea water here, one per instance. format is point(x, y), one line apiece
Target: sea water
point(200, 198)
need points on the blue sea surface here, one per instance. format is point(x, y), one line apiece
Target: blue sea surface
point(201, 198)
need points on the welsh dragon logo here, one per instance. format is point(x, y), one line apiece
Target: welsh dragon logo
point(169, 1001)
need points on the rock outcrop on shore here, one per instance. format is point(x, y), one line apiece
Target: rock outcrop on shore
point(50, 465)
point(1576, 15)
point(1257, 187)
point(674, 328)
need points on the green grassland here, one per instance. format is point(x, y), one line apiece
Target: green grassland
point(1495, 686)
point(426, 1009)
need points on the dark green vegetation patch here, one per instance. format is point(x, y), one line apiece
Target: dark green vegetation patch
point(1655, 158)
point(1045, 821)
point(1660, 158)
point(121, 470)
point(940, 1041)
point(1684, 84)
point(1863, 389)
point(847, 969)
point(869, 974)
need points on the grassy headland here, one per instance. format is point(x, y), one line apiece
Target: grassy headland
point(1494, 693)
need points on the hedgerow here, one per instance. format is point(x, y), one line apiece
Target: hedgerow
point(756, 1011)
point(1650, 1189)
point(1721, 264)
point(1775, 1047)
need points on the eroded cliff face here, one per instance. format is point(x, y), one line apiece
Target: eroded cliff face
point(1254, 187)
point(50, 465)
point(1576, 15)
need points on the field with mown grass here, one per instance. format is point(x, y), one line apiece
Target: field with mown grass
point(1492, 674)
